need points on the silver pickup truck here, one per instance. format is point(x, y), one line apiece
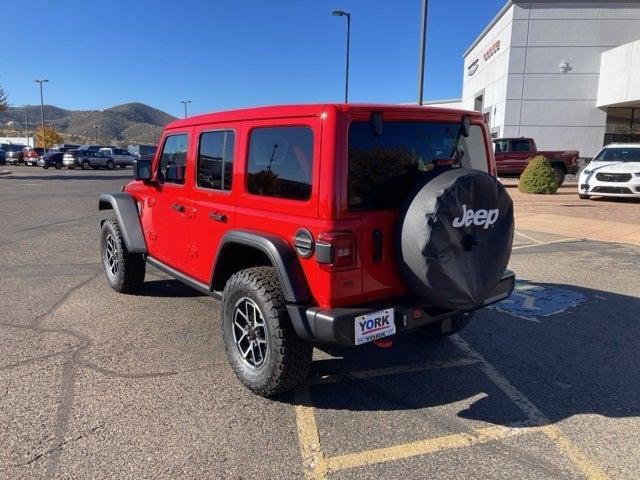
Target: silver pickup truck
point(87, 159)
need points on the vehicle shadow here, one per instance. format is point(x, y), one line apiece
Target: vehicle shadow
point(583, 360)
point(168, 288)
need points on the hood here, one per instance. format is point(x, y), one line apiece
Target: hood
point(614, 167)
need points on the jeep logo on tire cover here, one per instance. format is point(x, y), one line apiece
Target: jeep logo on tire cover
point(478, 217)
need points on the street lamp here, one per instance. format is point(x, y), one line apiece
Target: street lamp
point(26, 124)
point(422, 48)
point(97, 129)
point(185, 102)
point(44, 138)
point(340, 13)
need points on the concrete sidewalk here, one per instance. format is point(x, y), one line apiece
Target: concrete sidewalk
point(601, 219)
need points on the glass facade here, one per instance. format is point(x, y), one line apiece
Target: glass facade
point(623, 125)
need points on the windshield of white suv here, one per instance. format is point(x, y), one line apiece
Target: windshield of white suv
point(618, 154)
point(383, 168)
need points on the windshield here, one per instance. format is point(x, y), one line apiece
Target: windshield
point(383, 169)
point(619, 154)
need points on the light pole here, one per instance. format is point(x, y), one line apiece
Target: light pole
point(97, 129)
point(26, 124)
point(44, 138)
point(422, 48)
point(185, 102)
point(340, 13)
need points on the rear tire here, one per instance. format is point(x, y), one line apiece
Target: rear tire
point(110, 165)
point(265, 352)
point(45, 167)
point(124, 270)
point(559, 174)
point(449, 326)
point(86, 165)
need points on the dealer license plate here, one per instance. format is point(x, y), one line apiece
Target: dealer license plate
point(374, 326)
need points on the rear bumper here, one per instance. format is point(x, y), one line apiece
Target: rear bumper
point(336, 325)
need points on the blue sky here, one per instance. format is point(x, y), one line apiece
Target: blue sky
point(228, 54)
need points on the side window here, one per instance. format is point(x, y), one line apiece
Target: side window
point(173, 159)
point(474, 154)
point(521, 145)
point(501, 146)
point(215, 160)
point(280, 162)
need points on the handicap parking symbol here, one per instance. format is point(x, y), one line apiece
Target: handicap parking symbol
point(530, 301)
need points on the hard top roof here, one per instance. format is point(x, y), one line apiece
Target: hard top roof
point(305, 110)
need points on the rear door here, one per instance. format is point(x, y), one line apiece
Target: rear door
point(520, 154)
point(211, 206)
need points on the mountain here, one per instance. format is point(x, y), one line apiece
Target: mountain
point(128, 123)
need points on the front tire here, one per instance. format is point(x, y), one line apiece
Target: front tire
point(58, 166)
point(110, 165)
point(86, 165)
point(124, 270)
point(262, 346)
point(582, 196)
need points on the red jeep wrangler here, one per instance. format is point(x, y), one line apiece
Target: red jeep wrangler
point(318, 224)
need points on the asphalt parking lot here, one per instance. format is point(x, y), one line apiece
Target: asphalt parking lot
point(94, 384)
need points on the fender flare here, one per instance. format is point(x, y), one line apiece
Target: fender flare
point(124, 206)
point(279, 253)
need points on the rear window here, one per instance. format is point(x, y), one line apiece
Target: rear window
point(383, 169)
point(280, 162)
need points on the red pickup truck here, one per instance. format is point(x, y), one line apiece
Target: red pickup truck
point(513, 155)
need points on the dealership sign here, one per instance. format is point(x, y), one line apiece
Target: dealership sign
point(491, 51)
point(473, 68)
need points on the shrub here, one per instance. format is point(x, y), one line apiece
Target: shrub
point(539, 177)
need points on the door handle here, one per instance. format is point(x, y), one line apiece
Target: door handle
point(218, 217)
point(178, 208)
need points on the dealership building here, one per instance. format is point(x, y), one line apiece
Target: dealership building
point(566, 73)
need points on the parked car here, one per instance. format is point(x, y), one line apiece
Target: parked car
point(121, 157)
point(513, 155)
point(86, 159)
point(51, 159)
point(13, 153)
point(613, 172)
point(318, 224)
point(146, 152)
point(30, 155)
point(64, 147)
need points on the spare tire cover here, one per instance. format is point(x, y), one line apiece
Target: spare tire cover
point(455, 234)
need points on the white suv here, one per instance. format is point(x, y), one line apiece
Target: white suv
point(614, 172)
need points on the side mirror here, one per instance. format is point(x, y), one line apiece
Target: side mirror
point(142, 170)
point(465, 126)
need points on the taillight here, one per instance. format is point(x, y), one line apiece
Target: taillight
point(336, 249)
